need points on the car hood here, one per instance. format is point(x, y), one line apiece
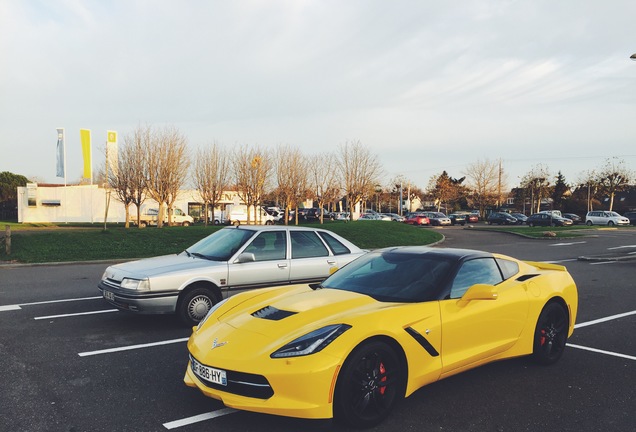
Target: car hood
point(157, 266)
point(263, 321)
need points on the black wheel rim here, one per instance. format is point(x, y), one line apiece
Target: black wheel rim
point(552, 333)
point(372, 386)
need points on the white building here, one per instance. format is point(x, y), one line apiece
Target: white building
point(87, 203)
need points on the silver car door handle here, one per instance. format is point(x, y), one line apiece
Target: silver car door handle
point(331, 262)
point(282, 265)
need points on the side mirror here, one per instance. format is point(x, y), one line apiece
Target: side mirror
point(481, 292)
point(246, 257)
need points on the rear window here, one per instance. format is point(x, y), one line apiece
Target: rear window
point(508, 268)
point(306, 244)
point(335, 245)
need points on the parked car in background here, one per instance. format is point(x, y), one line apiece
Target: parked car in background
point(233, 258)
point(501, 218)
point(457, 218)
point(552, 212)
point(521, 218)
point(238, 214)
point(151, 216)
point(472, 217)
point(631, 216)
point(417, 219)
point(394, 217)
point(546, 219)
point(339, 216)
point(610, 218)
point(438, 218)
point(369, 216)
point(576, 219)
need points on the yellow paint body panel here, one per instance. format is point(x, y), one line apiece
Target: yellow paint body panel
point(461, 334)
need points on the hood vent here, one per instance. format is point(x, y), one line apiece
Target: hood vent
point(271, 313)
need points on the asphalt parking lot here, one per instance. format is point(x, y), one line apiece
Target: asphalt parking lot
point(70, 363)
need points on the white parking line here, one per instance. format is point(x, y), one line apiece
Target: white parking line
point(622, 247)
point(603, 352)
point(601, 320)
point(603, 262)
point(19, 306)
point(198, 418)
point(75, 314)
point(131, 347)
point(567, 244)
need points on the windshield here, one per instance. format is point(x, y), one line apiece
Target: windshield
point(393, 276)
point(221, 245)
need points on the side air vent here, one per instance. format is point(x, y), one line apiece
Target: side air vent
point(271, 313)
point(526, 277)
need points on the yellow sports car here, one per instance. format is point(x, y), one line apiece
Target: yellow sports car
point(377, 330)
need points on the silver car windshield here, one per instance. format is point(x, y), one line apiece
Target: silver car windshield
point(221, 245)
point(393, 276)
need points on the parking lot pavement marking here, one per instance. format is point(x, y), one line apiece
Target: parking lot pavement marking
point(603, 262)
point(567, 244)
point(602, 320)
point(625, 356)
point(19, 306)
point(60, 301)
point(198, 418)
point(75, 314)
point(622, 247)
point(131, 347)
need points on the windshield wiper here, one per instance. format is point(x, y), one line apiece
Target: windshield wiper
point(199, 255)
point(188, 252)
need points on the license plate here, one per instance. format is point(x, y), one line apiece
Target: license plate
point(216, 376)
point(109, 295)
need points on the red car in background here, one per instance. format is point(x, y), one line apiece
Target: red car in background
point(417, 219)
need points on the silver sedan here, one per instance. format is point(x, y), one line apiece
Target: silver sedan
point(233, 258)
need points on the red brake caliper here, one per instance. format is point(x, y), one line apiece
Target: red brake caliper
point(542, 339)
point(382, 371)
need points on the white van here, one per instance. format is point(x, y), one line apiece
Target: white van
point(238, 215)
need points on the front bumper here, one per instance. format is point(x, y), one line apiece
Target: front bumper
point(300, 387)
point(143, 302)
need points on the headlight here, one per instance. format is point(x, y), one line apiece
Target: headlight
point(135, 284)
point(311, 342)
point(211, 311)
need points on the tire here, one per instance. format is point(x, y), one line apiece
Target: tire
point(610, 223)
point(550, 335)
point(142, 224)
point(185, 224)
point(217, 222)
point(236, 223)
point(269, 222)
point(194, 305)
point(588, 223)
point(530, 224)
point(371, 382)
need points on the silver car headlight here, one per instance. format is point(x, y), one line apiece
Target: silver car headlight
point(135, 284)
point(311, 342)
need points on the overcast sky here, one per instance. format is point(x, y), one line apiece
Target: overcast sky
point(426, 85)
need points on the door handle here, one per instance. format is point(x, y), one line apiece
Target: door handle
point(331, 262)
point(282, 265)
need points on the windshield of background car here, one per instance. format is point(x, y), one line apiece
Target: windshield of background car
point(221, 245)
point(393, 276)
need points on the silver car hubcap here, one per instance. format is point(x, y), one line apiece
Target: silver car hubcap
point(199, 307)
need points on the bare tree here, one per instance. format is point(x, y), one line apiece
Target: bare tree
point(483, 179)
point(210, 175)
point(360, 171)
point(126, 177)
point(537, 181)
point(323, 180)
point(251, 167)
point(166, 168)
point(613, 178)
point(588, 180)
point(291, 177)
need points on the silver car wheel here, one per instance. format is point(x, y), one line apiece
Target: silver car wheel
point(199, 307)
